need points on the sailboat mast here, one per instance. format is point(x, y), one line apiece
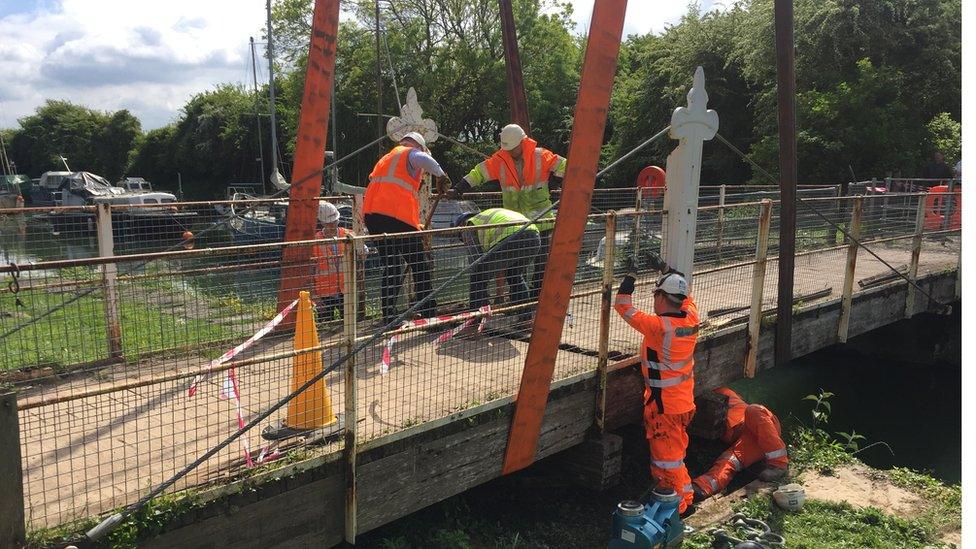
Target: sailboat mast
point(4, 161)
point(271, 88)
point(257, 117)
point(379, 83)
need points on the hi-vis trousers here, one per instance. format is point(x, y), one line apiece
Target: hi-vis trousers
point(667, 436)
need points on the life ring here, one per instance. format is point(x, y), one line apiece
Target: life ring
point(652, 180)
point(935, 209)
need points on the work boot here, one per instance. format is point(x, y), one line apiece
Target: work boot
point(772, 474)
point(699, 494)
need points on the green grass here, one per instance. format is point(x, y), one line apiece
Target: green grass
point(836, 525)
point(77, 334)
point(945, 511)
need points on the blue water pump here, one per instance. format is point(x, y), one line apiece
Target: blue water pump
point(653, 525)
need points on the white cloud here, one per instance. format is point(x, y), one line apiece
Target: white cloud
point(151, 56)
point(146, 56)
point(643, 16)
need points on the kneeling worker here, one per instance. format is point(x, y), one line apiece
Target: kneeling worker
point(667, 357)
point(506, 251)
point(754, 433)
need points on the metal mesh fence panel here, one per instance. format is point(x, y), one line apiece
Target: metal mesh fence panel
point(104, 351)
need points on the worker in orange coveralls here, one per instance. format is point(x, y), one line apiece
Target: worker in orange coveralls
point(754, 433)
point(667, 360)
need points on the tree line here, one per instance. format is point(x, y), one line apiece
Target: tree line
point(878, 90)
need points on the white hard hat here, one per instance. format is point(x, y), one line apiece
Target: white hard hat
point(328, 213)
point(790, 497)
point(672, 284)
point(511, 136)
point(416, 137)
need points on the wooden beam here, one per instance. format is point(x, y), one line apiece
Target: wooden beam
point(758, 285)
point(306, 175)
point(916, 254)
point(513, 68)
point(12, 528)
point(106, 248)
point(606, 297)
point(845, 304)
point(349, 315)
point(599, 66)
point(786, 98)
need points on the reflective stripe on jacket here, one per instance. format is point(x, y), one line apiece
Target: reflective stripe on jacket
point(328, 265)
point(489, 237)
point(667, 354)
point(392, 191)
point(526, 192)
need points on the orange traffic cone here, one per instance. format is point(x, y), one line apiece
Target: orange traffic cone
point(312, 408)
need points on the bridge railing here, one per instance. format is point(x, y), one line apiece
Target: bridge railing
point(103, 350)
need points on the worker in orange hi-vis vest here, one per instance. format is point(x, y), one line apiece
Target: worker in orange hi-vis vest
point(328, 257)
point(754, 434)
point(392, 205)
point(526, 173)
point(667, 356)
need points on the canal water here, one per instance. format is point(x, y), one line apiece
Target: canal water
point(913, 404)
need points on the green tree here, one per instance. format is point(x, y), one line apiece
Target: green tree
point(58, 128)
point(115, 142)
point(945, 134)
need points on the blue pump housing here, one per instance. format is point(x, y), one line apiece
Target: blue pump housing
point(653, 525)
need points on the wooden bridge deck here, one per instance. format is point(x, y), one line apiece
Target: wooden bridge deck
point(103, 451)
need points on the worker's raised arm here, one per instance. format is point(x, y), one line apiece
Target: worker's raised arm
point(420, 160)
point(624, 305)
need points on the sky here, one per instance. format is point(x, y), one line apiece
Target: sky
point(151, 56)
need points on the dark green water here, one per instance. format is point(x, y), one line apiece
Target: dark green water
point(915, 408)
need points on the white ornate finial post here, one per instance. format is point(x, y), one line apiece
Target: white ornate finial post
point(691, 126)
point(412, 119)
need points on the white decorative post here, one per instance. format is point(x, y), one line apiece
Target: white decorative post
point(412, 119)
point(691, 126)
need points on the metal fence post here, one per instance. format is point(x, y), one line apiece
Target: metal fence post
point(106, 248)
point(349, 316)
point(12, 529)
point(609, 259)
point(845, 307)
point(721, 220)
point(916, 253)
point(758, 285)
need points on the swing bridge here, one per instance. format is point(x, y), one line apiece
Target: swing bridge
point(100, 407)
point(102, 335)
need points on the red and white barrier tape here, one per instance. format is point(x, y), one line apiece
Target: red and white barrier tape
point(471, 317)
point(237, 350)
point(231, 389)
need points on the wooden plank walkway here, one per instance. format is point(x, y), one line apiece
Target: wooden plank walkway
point(93, 454)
